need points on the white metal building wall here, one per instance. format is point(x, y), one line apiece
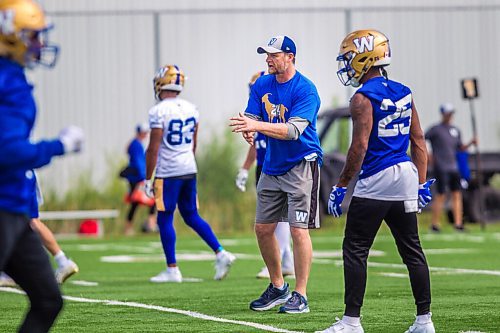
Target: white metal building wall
point(108, 59)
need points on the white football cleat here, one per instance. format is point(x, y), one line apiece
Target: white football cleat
point(264, 273)
point(65, 271)
point(223, 262)
point(340, 326)
point(172, 275)
point(6, 281)
point(422, 326)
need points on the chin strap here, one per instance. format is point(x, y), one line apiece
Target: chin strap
point(383, 72)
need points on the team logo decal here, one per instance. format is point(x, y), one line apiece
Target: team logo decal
point(7, 22)
point(272, 41)
point(274, 111)
point(364, 43)
point(301, 215)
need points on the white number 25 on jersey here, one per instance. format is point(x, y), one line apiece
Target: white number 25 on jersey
point(402, 110)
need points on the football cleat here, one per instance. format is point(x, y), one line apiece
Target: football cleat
point(172, 275)
point(270, 298)
point(340, 326)
point(65, 271)
point(422, 326)
point(223, 262)
point(287, 272)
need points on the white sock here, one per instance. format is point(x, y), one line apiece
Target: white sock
point(172, 269)
point(353, 321)
point(282, 287)
point(60, 258)
point(424, 319)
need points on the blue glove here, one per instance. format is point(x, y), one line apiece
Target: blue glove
point(335, 200)
point(424, 193)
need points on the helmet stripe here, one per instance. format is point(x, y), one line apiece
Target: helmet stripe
point(178, 78)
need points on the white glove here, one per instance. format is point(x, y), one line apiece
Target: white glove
point(72, 138)
point(241, 179)
point(149, 189)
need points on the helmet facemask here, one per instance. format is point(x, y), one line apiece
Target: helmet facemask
point(346, 73)
point(39, 51)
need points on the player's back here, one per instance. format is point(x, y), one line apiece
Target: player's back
point(389, 139)
point(178, 118)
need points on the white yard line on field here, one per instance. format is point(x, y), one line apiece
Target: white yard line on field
point(192, 314)
point(448, 270)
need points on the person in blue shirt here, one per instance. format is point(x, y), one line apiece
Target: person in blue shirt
point(257, 152)
point(385, 124)
point(284, 107)
point(22, 256)
point(135, 175)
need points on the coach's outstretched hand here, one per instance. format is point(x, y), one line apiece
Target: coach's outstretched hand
point(335, 201)
point(424, 193)
point(72, 138)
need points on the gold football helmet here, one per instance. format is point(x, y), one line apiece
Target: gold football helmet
point(360, 51)
point(24, 34)
point(168, 77)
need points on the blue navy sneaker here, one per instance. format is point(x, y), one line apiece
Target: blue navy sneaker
point(270, 298)
point(295, 304)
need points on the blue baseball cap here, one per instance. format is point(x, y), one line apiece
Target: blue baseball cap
point(278, 44)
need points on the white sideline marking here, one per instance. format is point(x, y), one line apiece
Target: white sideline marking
point(84, 283)
point(449, 251)
point(165, 309)
point(200, 256)
point(396, 275)
point(432, 269)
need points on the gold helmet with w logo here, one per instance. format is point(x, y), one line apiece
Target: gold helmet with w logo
point(24, 34)
point(360, 51)
point(168, 77)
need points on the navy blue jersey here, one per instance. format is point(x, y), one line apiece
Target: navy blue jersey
point(276, 102)
point(390, 136)
point(17, 154)
point(137, 161)
point(260, 143)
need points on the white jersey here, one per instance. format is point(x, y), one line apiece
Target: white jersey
point(178, 119)
point(398, 182)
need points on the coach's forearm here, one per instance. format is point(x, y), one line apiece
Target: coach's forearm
point(273, 130)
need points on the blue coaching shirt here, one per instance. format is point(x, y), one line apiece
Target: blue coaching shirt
point(276, 102)
point(137, 161)
point(389, 139)
point(17, 154)
point(260, 143)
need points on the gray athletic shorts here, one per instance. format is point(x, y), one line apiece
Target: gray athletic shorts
point(292, 197)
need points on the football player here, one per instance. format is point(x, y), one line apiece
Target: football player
point(65, 266)
point(257, 151)
point(174, 127)
point(385, 123)
point(24, 43)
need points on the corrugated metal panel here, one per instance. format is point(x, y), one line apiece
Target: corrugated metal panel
point(103, 81)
